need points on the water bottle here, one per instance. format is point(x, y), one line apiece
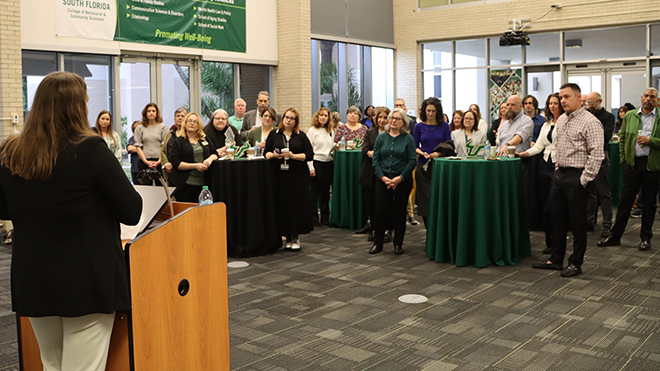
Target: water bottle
point(257, 150)
point(342, 144)
point(486, 150)
point(205, 196)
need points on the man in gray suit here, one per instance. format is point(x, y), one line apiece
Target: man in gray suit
point(253, 117)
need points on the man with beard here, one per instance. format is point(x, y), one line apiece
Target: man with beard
point(517, 129)
point(639, 149)
point(252, 118)
point(602, 182)
point(578, 155)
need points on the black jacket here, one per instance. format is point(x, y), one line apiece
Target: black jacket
point(367, 173)
point(180, 150)
point(67, 256)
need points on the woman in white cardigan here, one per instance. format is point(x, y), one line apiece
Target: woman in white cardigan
point(470, 135)
point(322, 137)
point(546, 145)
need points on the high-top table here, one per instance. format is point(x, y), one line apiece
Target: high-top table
point(347, 209)
point(477, 212)
point(246, 187)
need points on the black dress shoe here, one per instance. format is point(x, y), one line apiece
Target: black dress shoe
point(546, 265)
point(644, 245)
point(609, 241)
point(366, 229)
point(388, 236)
point(376, 248)
point(372, 236)
point(571, 271)
point(547, 250)
point(398, 249)
point(606, 232)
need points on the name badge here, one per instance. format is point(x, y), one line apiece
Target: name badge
point(284, 167)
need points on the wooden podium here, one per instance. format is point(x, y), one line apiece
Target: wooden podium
point(179, 292)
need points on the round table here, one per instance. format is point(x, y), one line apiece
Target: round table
point(477, 212)
point(247, 188)
point(347, 209)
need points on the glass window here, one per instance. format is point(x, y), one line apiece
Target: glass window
point(439, 84)
point(36, 65)
point(437, 55)
point(471, 89)
point(542, 84)
point(430, 3)
point(354, 75)
point(95, 69)
point(175, 90)
point(329, 85)
point(254, 78)
point(655, 39)
point(382, 77)
point(655, 77)
point(504, 55)
point(470, 53)
point(621, 42)
point(588, 82)
point(217, 88)
point(135, 82)
point(543, 48)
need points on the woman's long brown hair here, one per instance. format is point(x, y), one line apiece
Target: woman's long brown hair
point(58, 119)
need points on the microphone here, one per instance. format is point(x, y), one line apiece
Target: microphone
point(146, 176)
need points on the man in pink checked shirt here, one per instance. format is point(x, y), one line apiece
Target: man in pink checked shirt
point(579, 153)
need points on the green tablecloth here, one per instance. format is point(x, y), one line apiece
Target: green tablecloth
point(616, 176)
point(347, 210)
point(477, 213)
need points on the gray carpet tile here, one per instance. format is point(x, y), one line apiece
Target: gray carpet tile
point(332, 306)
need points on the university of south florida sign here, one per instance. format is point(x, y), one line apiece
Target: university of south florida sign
point(206, 24)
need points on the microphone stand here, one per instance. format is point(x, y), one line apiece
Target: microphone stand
point(154, 174)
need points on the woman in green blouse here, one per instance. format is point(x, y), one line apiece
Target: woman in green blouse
point(394, 162)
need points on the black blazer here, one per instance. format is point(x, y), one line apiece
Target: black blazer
point(217, 138)
point(67, 258)
point(180, 150)
point(367, 172)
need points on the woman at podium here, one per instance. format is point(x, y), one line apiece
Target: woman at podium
point(66, 194)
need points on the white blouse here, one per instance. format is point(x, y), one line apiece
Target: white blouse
point(322, 143)
point(543, 144)
point(460, 145)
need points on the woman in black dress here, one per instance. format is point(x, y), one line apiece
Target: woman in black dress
point(191, 155)
point(289, 150)
point(66, 193)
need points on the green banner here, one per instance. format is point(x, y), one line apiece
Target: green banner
point(206, 24)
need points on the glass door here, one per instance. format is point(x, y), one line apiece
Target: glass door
point(174, 89)
point(617, 83)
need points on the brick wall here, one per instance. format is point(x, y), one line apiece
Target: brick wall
point(413, 27)
point(293, 76)
point(11, 86)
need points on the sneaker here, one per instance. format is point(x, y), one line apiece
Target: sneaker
point(636, 213)
point(295, 245)
point(412, 221)
point(288, 244)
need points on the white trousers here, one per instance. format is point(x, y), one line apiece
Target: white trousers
point(74, 343)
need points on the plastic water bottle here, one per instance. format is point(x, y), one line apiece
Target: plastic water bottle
point(342, 144)
point(257, 150)
point(486, 150)
point(205, 196)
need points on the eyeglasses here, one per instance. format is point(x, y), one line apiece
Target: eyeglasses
point(397, 119)
point(592, 103)
point(191, 121)
point(289, 118)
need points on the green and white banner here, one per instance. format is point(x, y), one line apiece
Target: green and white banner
point(207, 24)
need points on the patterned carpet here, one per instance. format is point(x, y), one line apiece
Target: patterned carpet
point(332, 306)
